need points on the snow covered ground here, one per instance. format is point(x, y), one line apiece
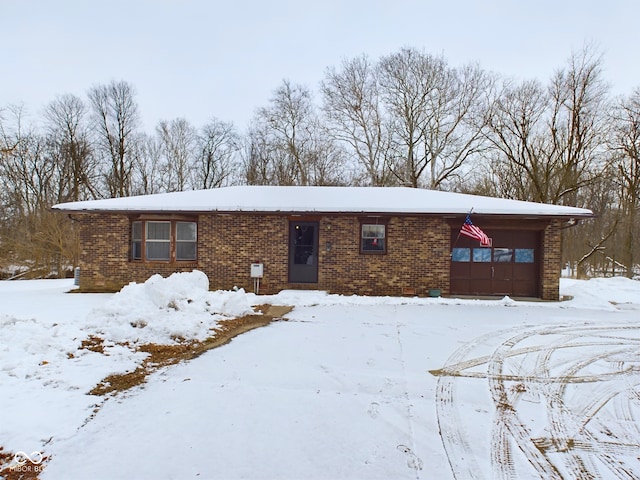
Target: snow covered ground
point(348, 387)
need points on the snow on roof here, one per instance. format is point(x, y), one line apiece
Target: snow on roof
point(298, 199)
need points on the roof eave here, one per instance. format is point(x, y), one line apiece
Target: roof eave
point(506, 215)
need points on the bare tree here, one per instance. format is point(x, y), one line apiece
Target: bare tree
point(437, 115)
point(518, 134)
point(352, 106)
point(257, 156)
point(115, 115)
point(288, 120)
point(178, 140)
point(31, 236)
point(625, 145)
point(147, 172)
point(217, 146)
point(26, 169)
point(596, 240)
point(548, 142)
point(287, 143)
point(69, 144)
point(577, 127)
point(325, 159)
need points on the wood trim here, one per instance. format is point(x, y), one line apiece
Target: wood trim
point(378, 221)
point(304, 218)
point(173, 244)
point(164, 217)
point(491, 223)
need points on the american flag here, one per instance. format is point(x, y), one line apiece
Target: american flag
point(470, 230)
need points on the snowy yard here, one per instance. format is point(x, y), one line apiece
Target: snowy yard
point(346, 387)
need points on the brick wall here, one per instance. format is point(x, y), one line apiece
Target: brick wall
point(229, 244)
point(417, 258)
point(551, 261)
point(105, 251)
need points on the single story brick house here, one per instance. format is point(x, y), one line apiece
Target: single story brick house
point(347, 240)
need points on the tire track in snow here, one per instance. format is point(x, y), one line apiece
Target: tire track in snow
point(570, 427)
point(413, 460)
point(563, 429)
point(459, 452)
point(506, 417)
point(587, 378)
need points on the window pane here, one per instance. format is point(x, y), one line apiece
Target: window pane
point(186, 231)
point(136, 241)
point(305, 235)
point(136, 231)
point(186, 236)
point(136, 250)
point(524, 255)
point(158, 250)
point(186, 251)
point(461, 255)
point(481, 255)
point(373, 231)
point(373, 238)
point(373, 244)
point(158, 230)
point(303, 255)
point(502, 254)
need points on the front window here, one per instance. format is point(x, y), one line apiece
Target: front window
point(136, 240)
point(186, 238)
point(163, 240)
point(373, 238)
point(158, 245)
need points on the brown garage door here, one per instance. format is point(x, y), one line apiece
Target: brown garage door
point(509, 267)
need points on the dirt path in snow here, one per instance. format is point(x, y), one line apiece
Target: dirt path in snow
point(164, 355)
point(564, 402)
point(159, 356)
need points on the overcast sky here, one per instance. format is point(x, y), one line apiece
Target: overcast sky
point(203, 59)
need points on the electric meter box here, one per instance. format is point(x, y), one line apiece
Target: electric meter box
point(257, 270)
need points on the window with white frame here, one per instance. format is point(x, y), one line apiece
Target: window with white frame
point(373, 238)
point(164, 240)
point(186, 240)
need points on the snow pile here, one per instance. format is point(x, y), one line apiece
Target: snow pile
point(164, 310)
point(614, 293)
point(46, 371)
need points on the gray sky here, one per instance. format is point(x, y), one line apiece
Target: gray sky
point(204, 59)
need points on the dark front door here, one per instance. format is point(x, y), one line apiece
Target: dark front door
point(303, 252)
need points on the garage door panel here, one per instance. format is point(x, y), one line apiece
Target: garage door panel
point(479, 287)
point(480, 271)
point(502, 271)
point(502, 287)
point(525, 288)
point(460, 269)
point(526, 239)
point(460, 285)
point(500, 237)
point(524, 272)
point(510, 267)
